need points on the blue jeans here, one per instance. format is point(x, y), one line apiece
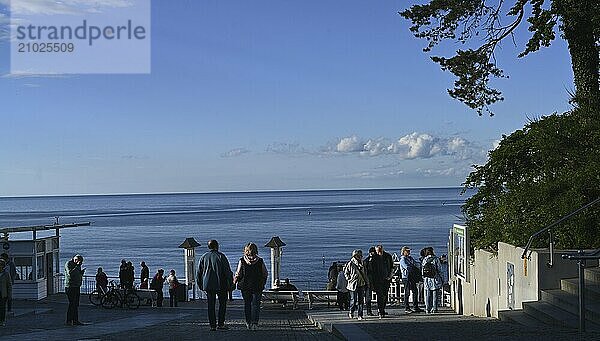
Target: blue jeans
point(408, 288)
point(252, 306)
point(212, 303)
point(431, 300)
point(357, 300)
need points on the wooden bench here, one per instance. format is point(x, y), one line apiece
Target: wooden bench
point(320, 296)
point(282, 297)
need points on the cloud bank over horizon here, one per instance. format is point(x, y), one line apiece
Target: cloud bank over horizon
point(411, 146)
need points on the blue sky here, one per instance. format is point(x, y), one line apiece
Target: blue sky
point(264, 95)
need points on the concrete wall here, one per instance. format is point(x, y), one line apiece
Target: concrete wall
point(486, 292)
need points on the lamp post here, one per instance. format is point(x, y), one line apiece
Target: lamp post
point(275, 244)
point(189, 255)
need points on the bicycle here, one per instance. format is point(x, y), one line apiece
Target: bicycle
point(120, 297)
point(97, 296)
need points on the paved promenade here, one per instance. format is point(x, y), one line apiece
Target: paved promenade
point(44, 320)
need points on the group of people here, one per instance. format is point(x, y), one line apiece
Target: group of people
point(429, 273)
point(217, 280)
point(355, 282)
point(127, 279)
point(357, 279)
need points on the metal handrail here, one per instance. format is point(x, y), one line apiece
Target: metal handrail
point(549, 230)
point(581, 257)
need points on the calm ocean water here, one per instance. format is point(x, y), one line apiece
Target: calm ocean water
point(150, 227)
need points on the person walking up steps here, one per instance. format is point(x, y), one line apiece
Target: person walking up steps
point(250, 277)
point(355, 274)
point(216, 279)
point(432, 280)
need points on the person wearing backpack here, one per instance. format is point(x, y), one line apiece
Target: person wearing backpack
point(251, 277)
point(432, 280)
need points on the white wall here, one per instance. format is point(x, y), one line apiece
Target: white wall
point(487, 290)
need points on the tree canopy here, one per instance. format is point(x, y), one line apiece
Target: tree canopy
point(482, 23)
point(536, 176)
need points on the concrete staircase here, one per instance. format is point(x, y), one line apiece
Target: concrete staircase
point(559, 308)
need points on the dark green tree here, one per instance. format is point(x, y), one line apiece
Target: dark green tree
point(480, 26)
point(534, 177)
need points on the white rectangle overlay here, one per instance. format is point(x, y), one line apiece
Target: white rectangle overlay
point(80, 37)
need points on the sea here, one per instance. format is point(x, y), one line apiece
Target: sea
point(318, 226)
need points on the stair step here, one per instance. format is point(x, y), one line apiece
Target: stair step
point(522, 318)
point(553, 315)
point(570, 303)
point(593, 274)
point(592, 289)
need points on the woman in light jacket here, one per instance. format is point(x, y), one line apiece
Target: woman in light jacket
point(355, 273)
point(432, 285)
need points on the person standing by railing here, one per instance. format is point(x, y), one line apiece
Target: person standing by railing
point(144, 275)
point(101, 281)
point(354, 271)
point(382, 267)
point(173, 285)
point(73, 278)
point(369, 290)
point(411, 274)
point(157, 283)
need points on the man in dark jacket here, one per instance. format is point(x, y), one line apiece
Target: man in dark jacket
point(368, 262)
point(73, 279)
point(216, 278)
point(144, 275)
point(382, 266)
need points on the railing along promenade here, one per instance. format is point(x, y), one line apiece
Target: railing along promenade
point(581, 256)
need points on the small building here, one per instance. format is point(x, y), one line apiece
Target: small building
point(36, 260)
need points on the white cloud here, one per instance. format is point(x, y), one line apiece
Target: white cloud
point(349, 144)
point(411, 146)
point(235, 152)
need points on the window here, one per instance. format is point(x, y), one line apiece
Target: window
point(40, 267)
point(24, 267)
point(40, 246)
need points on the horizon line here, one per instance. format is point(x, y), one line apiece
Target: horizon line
point(223, 192)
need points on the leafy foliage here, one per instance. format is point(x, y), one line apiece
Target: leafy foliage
point(536, 176)
point(481, 22)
